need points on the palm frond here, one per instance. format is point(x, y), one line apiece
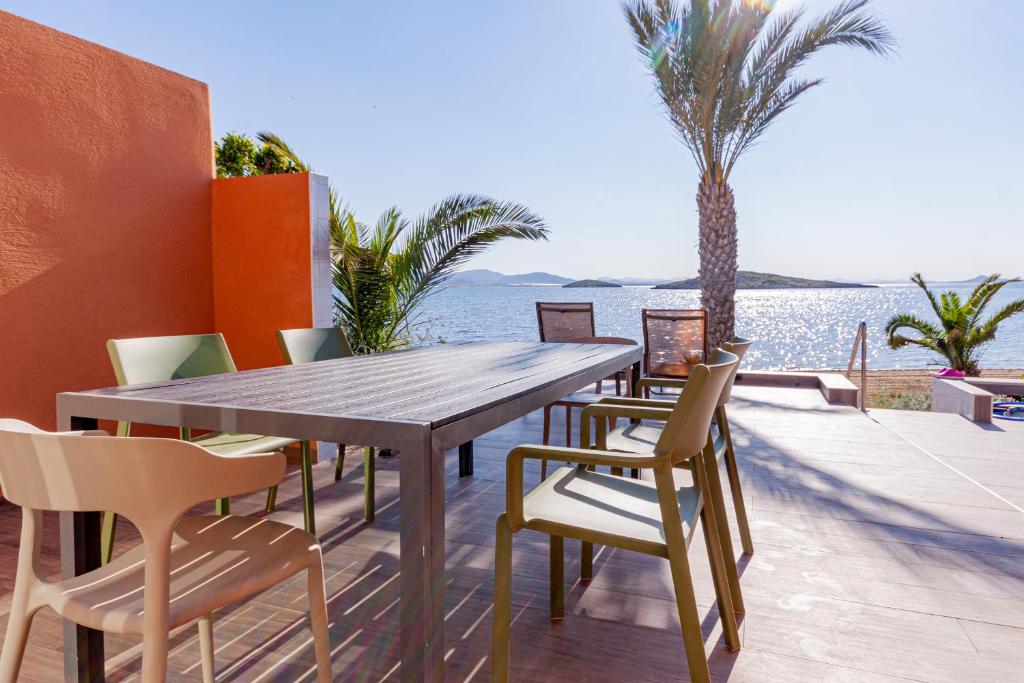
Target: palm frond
point(766, 114)
point(665, 34)
point(384, 272)
point(771, 76)
point(451, 233)
point(960, 333)
point(909, 321)
point(982, 295)
point(381, 274)
point(278, 143)
point(851, 24)
point(724, 71)
point(336, 207)
point(986, 331)
point(923, 286)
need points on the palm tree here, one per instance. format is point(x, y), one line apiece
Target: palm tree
point(724, 73)
point(961, 332)
point(382, 274)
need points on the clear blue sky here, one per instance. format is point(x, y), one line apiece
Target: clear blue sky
point(894, 165)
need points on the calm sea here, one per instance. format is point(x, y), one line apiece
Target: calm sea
point(794, 328)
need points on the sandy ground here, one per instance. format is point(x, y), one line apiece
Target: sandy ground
point(909, 388)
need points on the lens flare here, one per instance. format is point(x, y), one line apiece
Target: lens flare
point(763, 6)
point(660, 48)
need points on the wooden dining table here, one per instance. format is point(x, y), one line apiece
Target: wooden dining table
point(421, 403)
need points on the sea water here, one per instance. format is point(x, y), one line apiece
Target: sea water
point(793, 328)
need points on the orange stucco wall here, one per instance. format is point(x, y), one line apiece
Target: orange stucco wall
point(105, 211)
point(261, 263)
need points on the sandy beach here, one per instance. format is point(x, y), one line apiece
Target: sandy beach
point(910, 388)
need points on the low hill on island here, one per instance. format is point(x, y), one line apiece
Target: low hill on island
point(482, 277)
point(591, 283)
point(748, 279)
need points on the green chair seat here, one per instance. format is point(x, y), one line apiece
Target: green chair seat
point(608, 509)
point(159, 359)
point(229, 443)
point(633, 438)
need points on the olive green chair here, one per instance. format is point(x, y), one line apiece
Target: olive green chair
point(313, 344)
point(308, 345)
point(159, 359)
point(656, 518)
point(640, 438)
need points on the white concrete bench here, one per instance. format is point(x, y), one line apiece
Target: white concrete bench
point(834, 386)
point(998, 385)
point(837, 389)
point(963, 398)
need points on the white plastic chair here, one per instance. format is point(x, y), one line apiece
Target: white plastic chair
point(186, 567)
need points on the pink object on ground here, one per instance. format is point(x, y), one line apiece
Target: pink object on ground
point(949, 373)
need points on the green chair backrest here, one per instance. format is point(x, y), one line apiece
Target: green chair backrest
point(686, 430)
point(308, 345)
point(158, 359)
point(738, 347)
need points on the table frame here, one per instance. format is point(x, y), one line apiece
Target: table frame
point(422, 448)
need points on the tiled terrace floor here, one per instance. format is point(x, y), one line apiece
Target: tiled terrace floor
point(874, 561)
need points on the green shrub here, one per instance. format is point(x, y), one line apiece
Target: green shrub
point(237, 155)
point(901, 400)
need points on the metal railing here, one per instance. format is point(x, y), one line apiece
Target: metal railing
point(860, 342)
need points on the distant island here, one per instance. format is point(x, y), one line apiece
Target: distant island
point(745, 279)
point(637, 281)
point(592, 283)
point(482, 277)
point(748, 279)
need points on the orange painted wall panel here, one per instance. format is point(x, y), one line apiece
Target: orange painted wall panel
point(105, 211)
point(262, 263)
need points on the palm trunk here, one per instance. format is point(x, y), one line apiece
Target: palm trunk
point(717, 229)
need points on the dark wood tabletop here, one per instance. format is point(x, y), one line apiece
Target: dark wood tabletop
point(422, 402)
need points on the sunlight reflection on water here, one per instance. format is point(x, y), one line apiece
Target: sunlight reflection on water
point(794, 328)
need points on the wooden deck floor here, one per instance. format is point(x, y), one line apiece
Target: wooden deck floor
point(875, 560)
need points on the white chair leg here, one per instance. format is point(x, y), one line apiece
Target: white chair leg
point(154, 656)
point(18, 624)
point(22, 610)
point(318, 620)
point(206, 646)
point(156, 606)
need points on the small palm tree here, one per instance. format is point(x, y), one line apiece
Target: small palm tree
point(724, 72)
point(961, 331)
point(382, 274)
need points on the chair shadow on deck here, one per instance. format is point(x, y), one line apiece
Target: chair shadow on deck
point(893, 518)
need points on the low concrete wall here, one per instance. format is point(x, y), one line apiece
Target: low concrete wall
point(834, 386)
point(962, 398)
point(998, 385)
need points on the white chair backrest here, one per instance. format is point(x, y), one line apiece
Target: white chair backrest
point(152, 482)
